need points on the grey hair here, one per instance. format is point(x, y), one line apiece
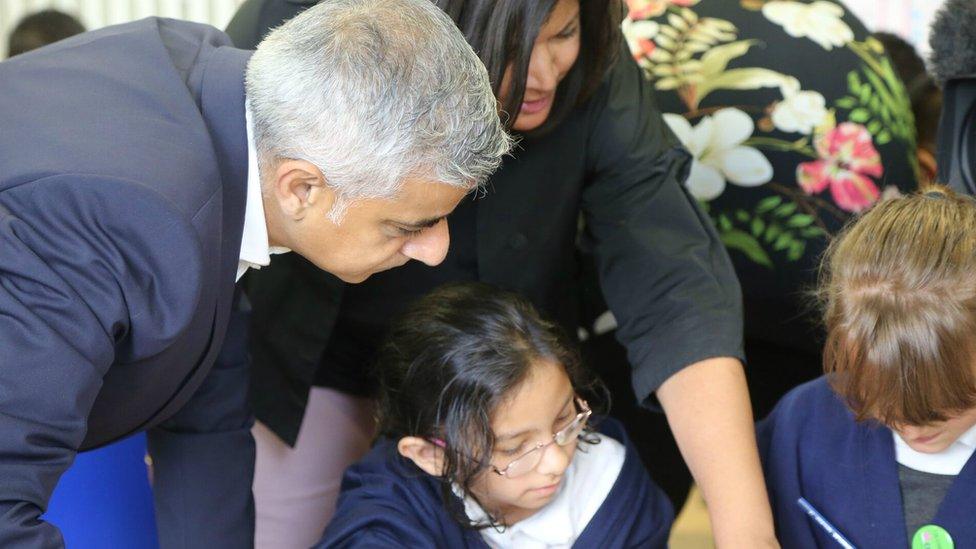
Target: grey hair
point(373, 92)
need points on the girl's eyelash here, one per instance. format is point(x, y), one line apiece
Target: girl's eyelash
point(512, 451)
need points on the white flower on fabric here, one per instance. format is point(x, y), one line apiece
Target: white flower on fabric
point(640, 38)
point(800, 112)
point(819, 21)
point(716, 144)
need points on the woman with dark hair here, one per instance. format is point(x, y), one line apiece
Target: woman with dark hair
point(487, 422)
point(596, 166)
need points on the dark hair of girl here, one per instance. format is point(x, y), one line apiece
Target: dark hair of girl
point(452, 358)
point(503, 32)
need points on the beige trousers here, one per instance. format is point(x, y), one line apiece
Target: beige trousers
point(295, 489)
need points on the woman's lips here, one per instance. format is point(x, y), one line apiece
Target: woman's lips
point(536, 106)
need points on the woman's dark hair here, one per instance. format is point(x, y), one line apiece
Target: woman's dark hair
point(452, 358)
point(503, 32)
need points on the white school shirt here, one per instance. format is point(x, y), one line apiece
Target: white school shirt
point(255, 249)
point(947, 462)
point(586, 484)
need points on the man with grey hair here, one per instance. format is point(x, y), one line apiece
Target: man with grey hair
point(146, 176)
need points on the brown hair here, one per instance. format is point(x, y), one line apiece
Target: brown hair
point(898, 288)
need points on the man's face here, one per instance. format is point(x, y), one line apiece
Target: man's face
point(373, 234)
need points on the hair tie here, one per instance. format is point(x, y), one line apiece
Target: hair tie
point(934, 194)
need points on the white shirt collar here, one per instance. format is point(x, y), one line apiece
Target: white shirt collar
point(586, 484)
point(255, 249)
point(947, 462)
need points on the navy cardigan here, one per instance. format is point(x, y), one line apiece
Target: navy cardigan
point(812, 447)
point(387, 501)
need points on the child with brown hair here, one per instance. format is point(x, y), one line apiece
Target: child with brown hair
point(881, 447)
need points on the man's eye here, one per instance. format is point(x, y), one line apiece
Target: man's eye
point(409, 232)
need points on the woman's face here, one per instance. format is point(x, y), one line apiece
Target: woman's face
point(555, 50)
point(540, 406)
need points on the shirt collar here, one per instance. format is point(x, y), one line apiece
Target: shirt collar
point(947, 462)
point(550, 526)
point(968, 439)
point(255, 248)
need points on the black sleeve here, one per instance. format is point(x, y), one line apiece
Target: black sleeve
point(663, 270)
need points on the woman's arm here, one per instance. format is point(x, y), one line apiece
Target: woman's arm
point(668, 280)
point(707, 405)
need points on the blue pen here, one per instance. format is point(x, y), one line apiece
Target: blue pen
point(828, 527)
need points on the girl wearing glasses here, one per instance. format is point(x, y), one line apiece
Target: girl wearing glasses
point(486, 440)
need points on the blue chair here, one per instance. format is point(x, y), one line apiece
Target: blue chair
point(104, 499)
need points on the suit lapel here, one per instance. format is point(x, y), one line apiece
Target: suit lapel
point(222, 104)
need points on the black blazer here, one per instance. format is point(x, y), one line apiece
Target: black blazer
point(614, 163)
point(122, 169)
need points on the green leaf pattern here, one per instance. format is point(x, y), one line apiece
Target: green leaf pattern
point(691, 56)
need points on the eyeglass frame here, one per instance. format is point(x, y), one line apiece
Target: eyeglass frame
point(581, 417)
point(580, 420)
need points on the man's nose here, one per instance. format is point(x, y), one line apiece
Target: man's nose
point(429, 247)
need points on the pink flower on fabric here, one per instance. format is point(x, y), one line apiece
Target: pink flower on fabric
point(847, 158)
point(643, 9)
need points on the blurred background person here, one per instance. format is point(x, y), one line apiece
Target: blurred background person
point(40, 29)
point(925, 95)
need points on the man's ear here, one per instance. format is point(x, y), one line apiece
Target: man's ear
point(424, 454)
point(299, 186)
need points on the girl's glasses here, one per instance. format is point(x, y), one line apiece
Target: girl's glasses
point(528, 461)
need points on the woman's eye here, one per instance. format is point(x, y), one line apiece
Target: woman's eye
point(568, 33)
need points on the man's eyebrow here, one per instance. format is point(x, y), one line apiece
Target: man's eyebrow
point(421, 224)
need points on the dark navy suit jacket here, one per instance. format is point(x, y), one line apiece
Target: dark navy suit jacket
point(387, 501)
point(812, 447)
point(123, 161)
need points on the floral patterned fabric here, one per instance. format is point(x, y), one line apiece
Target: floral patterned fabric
point(797, 121)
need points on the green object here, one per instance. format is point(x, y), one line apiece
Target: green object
point(931, 536)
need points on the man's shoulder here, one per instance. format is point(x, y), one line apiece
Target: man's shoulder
point(79, 225)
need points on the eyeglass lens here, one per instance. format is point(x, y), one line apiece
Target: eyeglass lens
point(531, 459)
